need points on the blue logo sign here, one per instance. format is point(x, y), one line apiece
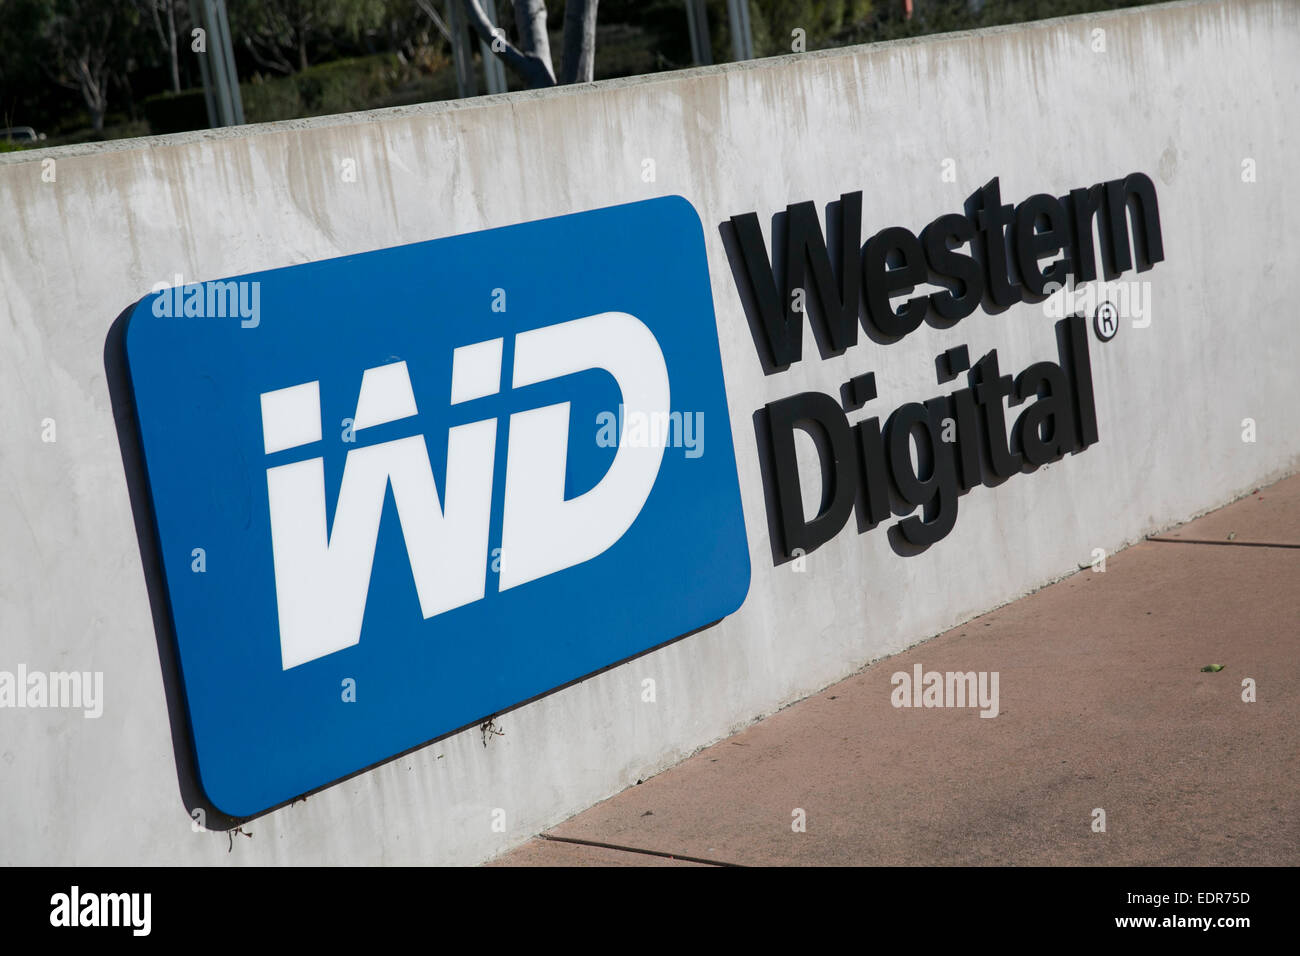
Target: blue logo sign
point(399, 492)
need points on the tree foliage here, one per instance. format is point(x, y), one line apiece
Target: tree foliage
point(283, 35)
point(69, 64)
point(529, 52)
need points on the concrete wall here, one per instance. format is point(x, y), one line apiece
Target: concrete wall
point(1183, 92)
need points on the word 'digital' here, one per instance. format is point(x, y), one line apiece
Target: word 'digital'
point(961, 439)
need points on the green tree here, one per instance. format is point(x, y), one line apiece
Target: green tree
point(88, 45)
point(530, 57)
point(774, 21)
point(21, 23)
point(280, 34)
point(169, 18)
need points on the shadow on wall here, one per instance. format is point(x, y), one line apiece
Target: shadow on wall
point(906, 459)
point(128, 440)
point(864, 466)
point(197, 805)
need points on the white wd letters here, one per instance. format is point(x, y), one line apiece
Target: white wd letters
point(322, 575)
point(542, 533)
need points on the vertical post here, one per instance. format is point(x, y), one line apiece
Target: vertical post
point(742, 39)
point(209, 100)
point(466, 81)
point(228, 54)
point(220, 82)
point(216, 64)
point(494, 71)
point(697, 21)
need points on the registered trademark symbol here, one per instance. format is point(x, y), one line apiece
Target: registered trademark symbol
point(1105, 321)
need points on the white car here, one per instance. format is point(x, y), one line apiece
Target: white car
point(21, 134)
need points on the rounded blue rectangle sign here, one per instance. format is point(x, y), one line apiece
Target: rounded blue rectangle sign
point(398, 492)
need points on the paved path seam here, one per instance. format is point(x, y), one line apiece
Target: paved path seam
point(634, 849)
point(1231, 544)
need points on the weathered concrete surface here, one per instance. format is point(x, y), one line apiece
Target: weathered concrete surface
point(1103, 705)
point(1184, 92)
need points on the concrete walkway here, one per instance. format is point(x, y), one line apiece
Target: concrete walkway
point(1103, 704)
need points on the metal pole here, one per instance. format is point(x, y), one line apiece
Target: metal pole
point(742, 39)
point(466, 81)
point(228, 54)
point(494, 71)
point(697, 21)
point(214, 120)
point(220, 81)
point(217, 65)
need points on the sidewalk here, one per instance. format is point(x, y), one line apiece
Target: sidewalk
point(1103, 704)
